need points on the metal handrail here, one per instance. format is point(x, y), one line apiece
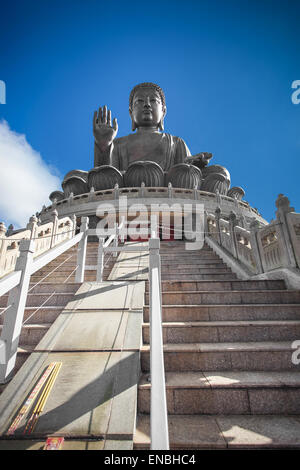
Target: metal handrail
point(158, 411)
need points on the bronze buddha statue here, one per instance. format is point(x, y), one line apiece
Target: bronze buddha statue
point(148, 156)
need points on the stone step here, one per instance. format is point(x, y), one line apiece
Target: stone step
point(201, 263)
point(218, 432)
point(194, 258)
point(228, 297)
point(179, 285)
point(227, 331)
point(194, 270)
point(198, 277)
point(40, 314)
point(228, 312)
point(239, 356)
point(31, 334)
point(228, 393)
point(53, 287)
point(36, 300)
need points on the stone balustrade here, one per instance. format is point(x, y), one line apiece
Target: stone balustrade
point(260, 248)
point(45, 236)
point(86, 204)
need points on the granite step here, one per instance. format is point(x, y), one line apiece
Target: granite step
point(214, 263)
point(31, 334)
point(227, 392)
point(227, 312)
point(187, 268)
point(216, 432)
point(227, 331)
point(194, 270)
point(228, 297)
point(193, 286)
point(49, 287)
point(40, 314)
point(193, 258)
point(198, 277)
point(238, 356)
point(49, 298)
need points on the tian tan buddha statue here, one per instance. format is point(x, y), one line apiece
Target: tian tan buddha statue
point(148, 156)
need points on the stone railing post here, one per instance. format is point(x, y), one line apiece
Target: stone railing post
point(116, 191)
point(32, 226)
point(16, 304)
point(91, 196)
point(54, 216)
point(3, 246)
point(81, 252)
point(254, 228)
point(74, 224)
point(218, 216)
point(283, 208)
point(142, 190)
point(232, 224)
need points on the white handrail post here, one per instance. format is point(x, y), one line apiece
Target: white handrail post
point(100, 261)
point(81, 253)
point(14, 315)
point(159, 413)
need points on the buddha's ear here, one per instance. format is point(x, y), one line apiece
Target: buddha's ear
point(161, 124)
point(133, 124)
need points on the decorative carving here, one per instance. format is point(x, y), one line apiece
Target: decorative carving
point(236, 192)
point(185, 175)
point(56, 195)
point(146, 172)
point(216, 178)
point(75, 185)
point(104, 177)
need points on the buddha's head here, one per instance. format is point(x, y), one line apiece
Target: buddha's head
point(147, 106)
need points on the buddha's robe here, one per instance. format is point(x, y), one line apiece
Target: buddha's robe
point(162, 148)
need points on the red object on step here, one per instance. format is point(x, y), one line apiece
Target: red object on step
point(54, 443)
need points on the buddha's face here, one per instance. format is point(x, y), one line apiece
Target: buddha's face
point(147, 108)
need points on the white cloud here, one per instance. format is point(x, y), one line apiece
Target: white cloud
point(25, 179)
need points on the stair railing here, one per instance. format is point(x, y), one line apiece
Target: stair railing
point(261, 249)
point(17, 284)
point(158, 411)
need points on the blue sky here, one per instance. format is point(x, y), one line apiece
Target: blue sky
point(226, 68)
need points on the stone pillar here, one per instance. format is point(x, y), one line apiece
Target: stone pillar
point(232, 224)
point(54, 216)
point(92, 194)
point(254, 228)
point(283, 208)
point(14, 315)
point(116, 191)
point(218, 216)
point(74, 224)
point(32, 226)
point(3, 246)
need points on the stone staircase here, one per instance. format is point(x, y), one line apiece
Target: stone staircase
point(51, 288)
point(230, 380)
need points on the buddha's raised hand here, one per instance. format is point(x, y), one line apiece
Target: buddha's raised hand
point(104, 131)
